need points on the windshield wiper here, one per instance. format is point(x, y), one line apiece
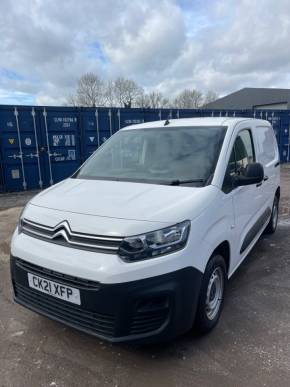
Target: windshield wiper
point(180, 182)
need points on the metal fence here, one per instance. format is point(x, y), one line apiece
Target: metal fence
point(40, 146)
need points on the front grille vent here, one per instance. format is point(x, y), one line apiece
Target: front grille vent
point(62, 234)
point(148, 322)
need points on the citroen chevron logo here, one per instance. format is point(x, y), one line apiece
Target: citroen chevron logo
point(62, 229)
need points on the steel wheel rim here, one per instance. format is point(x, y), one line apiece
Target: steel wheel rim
point(214, 293)
point(275, 216)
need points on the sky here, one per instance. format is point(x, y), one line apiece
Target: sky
point(165, 45)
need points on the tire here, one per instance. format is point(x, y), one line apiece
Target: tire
point(211, 293)
point(272, 225)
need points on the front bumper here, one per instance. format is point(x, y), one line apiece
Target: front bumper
point(148, 310)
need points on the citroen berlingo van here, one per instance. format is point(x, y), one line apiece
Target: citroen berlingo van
point(139, 243)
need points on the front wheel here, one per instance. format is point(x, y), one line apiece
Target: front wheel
point(272, 225)
point(211, 295)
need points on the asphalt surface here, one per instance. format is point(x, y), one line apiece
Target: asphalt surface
point(249, 347)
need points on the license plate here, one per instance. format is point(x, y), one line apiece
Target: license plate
point(54, 289)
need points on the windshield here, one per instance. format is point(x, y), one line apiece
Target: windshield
point(161, 155)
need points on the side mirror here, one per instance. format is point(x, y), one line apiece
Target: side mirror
point(254, 174)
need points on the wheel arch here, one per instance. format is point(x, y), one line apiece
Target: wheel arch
point(224, 249)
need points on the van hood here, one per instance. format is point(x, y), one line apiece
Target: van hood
point(126, 200)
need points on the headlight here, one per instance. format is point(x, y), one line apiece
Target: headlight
point(155, 243)
point(20, 220)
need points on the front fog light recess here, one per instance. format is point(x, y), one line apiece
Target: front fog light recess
point(155, 243)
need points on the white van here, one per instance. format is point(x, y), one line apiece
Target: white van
point(138, 244)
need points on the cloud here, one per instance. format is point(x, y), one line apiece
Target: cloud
point(152, 45)
point(166, 45)
point(16, 97)
point(249, 48)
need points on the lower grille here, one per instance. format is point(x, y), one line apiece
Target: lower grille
point(52, 275)
point(100, 324)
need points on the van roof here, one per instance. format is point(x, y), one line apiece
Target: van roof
point(200, 121)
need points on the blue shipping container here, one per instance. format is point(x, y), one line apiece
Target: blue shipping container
point(40, 146)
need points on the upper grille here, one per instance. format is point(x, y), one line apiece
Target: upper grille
point(62, 234)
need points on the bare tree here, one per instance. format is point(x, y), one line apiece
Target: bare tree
point(71, 100)
point(210, 96)
point(109, 93)
point(165, 103)
point(153, 100)
point(90, 92)
point(126, 92)
point(93, 91)
point(188, 99)
point(157, 100)
point(142, 101)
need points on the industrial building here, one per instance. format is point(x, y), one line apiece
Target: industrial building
point(254, 98)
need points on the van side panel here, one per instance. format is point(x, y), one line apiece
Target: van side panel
point(268, 156)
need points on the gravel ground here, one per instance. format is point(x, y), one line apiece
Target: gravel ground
point(249, 347)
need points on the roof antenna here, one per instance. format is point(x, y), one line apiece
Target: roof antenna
point(167, 122)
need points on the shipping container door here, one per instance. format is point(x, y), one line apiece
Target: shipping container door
point(106, 121)
point(275, 120)
point(11, 155)
point(126, 117)
point(185, 113)
point(60, 145)
point(153, 115)
point(96, 128)
point(90, 131)
point(160, 114)
point(284, 136)
point(19, 148)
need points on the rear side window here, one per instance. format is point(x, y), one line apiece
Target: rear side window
point(266, 141)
